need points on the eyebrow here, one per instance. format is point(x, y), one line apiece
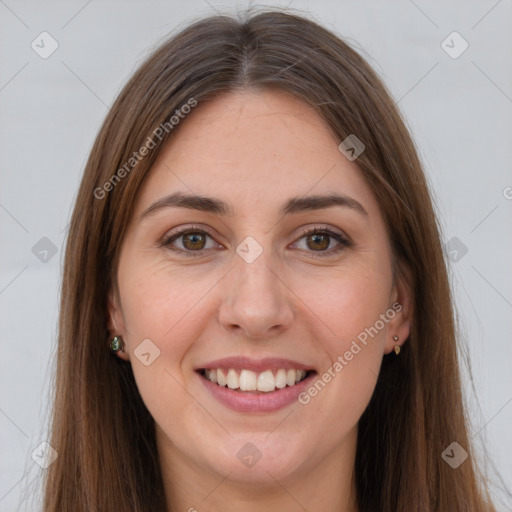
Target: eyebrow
point(217, 206)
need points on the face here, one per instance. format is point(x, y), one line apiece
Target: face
point(238, 283)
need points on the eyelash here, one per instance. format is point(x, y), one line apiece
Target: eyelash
point(343, 242)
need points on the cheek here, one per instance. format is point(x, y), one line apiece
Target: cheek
point(163, 305)
point(348, 302)
point(168, 305)
point(354, 310)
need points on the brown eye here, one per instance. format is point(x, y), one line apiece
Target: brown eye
point(189, 242)
point(194, 240)
point(318, 241)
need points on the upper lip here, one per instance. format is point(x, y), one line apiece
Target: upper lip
point(256, 365)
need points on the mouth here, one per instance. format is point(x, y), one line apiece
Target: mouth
point(243, 380)
point(249, 385)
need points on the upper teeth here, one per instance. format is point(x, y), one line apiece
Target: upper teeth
point(248, 380)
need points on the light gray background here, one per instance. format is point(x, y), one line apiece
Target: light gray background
point(459, 111)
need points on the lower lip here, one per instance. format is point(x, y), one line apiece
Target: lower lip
point(245, 401)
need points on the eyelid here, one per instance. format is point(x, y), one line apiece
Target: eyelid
point(326, 229)
point(184, 230)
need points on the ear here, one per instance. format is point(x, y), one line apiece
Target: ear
point(402, 300)
point(115, 322)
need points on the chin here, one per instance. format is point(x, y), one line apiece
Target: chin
point(259, 458)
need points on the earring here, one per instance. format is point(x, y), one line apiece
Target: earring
point(396, 347)
point(117, 344)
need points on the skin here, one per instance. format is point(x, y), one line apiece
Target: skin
point(255, 150)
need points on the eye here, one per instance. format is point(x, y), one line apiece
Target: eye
point(318, 240)
point(192, 240)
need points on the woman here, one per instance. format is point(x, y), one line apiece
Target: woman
point(254, 240)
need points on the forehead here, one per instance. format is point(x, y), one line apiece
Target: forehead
point(253, 150)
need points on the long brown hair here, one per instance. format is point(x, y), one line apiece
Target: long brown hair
point(102, 431)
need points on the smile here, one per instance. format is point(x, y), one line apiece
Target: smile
point(248, 385)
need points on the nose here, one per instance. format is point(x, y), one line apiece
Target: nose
point(257, 302)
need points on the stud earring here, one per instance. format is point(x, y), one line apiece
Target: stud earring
point(117, 344)
point(396, 347)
